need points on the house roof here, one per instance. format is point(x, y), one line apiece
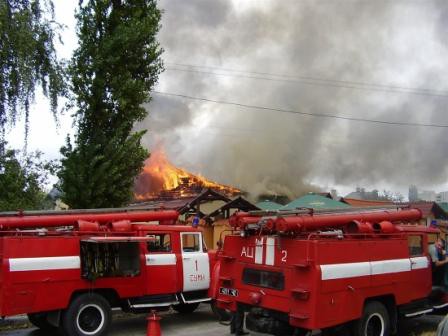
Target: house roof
point(444, 206)
point(268, 205)
point(364, 203)
point(428, 208)
point(314, 201)
point(237, 203)
point(174, 204)
point(207, 195)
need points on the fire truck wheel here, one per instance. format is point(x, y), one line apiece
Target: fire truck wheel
point(40, 320)
point(185, 308)
point(87, 315)
point(374, 321)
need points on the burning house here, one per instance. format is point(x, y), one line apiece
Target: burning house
point(161, 180)
point(163, 185)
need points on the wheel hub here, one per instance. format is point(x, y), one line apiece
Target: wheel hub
point(375, 325)
point(90, 319)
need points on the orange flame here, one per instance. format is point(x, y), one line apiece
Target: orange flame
point(160, 176)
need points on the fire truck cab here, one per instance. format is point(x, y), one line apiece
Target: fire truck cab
point(69, 270)
point(295, 272)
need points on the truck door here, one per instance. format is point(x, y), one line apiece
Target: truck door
point(160, 264)
point(420, 266)
point(195, 262)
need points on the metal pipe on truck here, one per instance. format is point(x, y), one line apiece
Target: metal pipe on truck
point(319, 221)
point(56, 220)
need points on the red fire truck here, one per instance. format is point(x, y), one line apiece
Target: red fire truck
point(295, 272)
point(67, 270)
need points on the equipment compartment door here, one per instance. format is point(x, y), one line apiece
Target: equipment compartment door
point(161, 267)
point(195, 262)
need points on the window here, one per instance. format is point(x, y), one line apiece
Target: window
point(191, 242)
point(160, 242)
point(415, 244)
point(267, 279)
point(109, 259)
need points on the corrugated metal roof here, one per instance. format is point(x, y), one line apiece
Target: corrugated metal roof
point(364, 203)
point(268, 205)
point(314, 201)
point(444, 206)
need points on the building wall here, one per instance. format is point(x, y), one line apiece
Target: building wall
point(208, 236)
point(221, 228)
point(427, 195)
point(442, 197)
point(413, 193)
point(209, 207)
point(207, 231)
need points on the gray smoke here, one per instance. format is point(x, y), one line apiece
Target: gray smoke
point(399, 43)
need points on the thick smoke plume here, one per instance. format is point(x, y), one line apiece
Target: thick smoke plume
point(353, 42)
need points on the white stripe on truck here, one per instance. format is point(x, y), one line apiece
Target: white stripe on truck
point(164, 259)
point(259, 250)
point(270, 251)
point(419, 262)
point(44, 263)
point(342, 271)
point(390, 266)
point(351, 270)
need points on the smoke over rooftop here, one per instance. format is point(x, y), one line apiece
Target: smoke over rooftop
point(348, 58)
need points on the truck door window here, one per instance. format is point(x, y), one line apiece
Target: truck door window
point(160, 242)
point(191, 242)
point(415, 244)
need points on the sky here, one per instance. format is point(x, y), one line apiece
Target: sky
point(383, 60)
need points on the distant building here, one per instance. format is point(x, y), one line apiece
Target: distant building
point(413, 193)
point(334, 194)
point(362, 194)
point(427, 195)
point(442, 197)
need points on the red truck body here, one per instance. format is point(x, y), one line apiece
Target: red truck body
point(281, 268)
point(134, 260)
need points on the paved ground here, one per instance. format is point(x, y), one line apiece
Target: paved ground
point(202, 323)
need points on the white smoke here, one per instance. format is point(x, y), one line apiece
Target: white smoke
point(400, 43)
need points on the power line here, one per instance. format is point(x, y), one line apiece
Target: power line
point(319, 115)
point(308, 80)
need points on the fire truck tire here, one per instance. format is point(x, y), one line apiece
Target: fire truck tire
point(186, 308)
point(87, 315)
point(374, 321)
point(40, 320)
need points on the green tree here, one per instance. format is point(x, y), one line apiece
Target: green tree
point(22, 180)
point(113, 71)
point(27, 57)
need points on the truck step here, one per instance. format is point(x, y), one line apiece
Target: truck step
point(194, 297)
point(416, 308)
point(153, 301)
point(419, 312)
point(441, 305)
